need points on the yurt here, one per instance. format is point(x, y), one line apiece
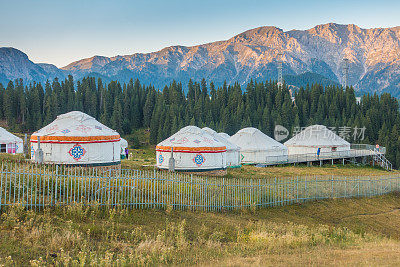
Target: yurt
point(193, 150)
point(316, 137)
point(10, 143)
point(124, 145)
point(76, 138)
point(224, 135)
point(256, 147)
point(232, 150)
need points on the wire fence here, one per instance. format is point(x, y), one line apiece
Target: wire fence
point(40, 186)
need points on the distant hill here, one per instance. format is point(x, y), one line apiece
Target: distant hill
point(15, 64)
point(374, 59)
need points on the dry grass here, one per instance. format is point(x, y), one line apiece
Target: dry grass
point(335, 232)
point(10, 157)
point(302, 170)
point(381, 253)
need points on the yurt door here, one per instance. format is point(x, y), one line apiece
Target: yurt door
point(48, 151)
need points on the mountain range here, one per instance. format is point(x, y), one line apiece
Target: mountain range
point(317, 54)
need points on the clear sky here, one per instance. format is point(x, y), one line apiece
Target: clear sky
point(63, 31)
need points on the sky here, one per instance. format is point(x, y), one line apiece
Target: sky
point(63, 31)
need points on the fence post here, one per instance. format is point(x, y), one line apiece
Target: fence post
point(297, 189)
point(306, 195)
point(251, 193)
point(316, 188)
point(223, 193)
point(274, 195)
point(191, 192)
point(1, 187)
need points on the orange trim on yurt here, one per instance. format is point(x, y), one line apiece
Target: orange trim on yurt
point(192, 149)
point(67, 139)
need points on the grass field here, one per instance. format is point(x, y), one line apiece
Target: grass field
point(145, 158)
point(361, 231)
point(334, 232)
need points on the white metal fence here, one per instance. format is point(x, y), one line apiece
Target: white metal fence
point(38, 186)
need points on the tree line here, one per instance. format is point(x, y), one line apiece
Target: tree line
point(131, 106)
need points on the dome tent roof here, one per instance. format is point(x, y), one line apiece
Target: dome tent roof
point(224, 135)
point(191, 139)
point(252, 139)
point(317, 135)
point(229, 145)
point(7, 137)
point(75, 126)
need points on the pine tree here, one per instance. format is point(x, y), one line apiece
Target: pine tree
point(148, 107)
point(9, 104)
point(116, 118)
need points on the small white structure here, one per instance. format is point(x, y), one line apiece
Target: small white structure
point(232, 150)
point(193, 150)
point(10, 143)
point(76, 138)
point(124, 145)
point(256, 147)
point(316, 137)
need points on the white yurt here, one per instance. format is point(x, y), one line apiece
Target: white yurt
point(257, 147)
point(232, 150)
point(124, 145)
point(224, 135)
point(193, 150)
point(10, 143)
point(313, 137)
point(78, 139)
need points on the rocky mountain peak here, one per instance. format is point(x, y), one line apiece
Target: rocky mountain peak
point(374, 59)
point(12, 53)
point(95, 63)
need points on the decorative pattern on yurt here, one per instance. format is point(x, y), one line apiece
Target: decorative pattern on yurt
point(193, 150)
point(316, 137)
point(79, 139)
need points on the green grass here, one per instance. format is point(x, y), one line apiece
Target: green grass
point(11, 157)
point(356, 231)
point(145, 158)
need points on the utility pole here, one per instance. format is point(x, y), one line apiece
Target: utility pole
point(280, 67)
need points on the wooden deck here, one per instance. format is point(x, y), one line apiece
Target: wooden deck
point(377, 157)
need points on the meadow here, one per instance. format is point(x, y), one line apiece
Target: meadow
point(359, 231)
point(354, 231)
